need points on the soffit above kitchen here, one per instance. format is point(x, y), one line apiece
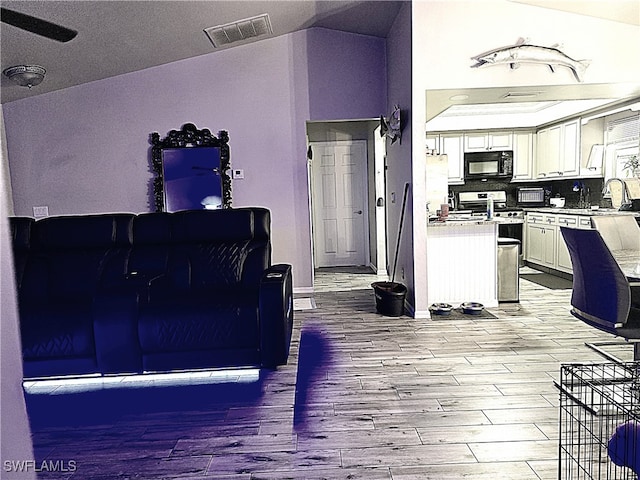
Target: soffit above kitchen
point(522, 106)
point(118, 37)
point(625, 11)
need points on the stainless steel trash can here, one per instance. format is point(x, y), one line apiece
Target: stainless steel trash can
point(508, 270)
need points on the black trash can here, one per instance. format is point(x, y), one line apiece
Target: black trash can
point(389, 298)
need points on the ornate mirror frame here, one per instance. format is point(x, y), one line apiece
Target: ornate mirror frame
point(188, 137)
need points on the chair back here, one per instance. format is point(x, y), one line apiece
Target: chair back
point(619, 232)
point(601, 294)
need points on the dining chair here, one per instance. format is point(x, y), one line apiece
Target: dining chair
point(619, 232)
point(601, 295)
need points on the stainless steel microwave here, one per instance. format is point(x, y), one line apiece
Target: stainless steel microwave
point(492, 164)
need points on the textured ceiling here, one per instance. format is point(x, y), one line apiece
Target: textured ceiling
point(117, 37)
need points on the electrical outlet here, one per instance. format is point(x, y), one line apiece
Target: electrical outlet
point(238, 174)
point(40, 212)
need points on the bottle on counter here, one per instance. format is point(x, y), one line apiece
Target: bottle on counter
point(489, 207)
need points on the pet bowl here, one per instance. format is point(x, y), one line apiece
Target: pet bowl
point(472, 308)
point(440, 308)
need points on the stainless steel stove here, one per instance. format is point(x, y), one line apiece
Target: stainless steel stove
point(475, 203)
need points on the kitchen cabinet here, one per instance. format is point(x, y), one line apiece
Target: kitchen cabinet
point(450, 144)
point(523, 155)
point(563, 260)
point(544, 243)
point(482, 141)
point(540, 239)
point(558, 151)
point(592, 148)
point(570, 156)
point(548, 154)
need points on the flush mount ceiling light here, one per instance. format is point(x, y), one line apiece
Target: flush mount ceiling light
point(240, 30)
point(26, 75)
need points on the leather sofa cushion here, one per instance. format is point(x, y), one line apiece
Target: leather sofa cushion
point(212, 225)
point(152, 229)
point(198, 323)
point(208, 266)
point(83, 231)
point(60, 329)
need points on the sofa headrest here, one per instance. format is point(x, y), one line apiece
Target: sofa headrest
point(225, 225)
point(83, 231)
point(21, 232)
point(152, 228)
point(261, 222)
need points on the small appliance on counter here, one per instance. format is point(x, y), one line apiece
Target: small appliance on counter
point(557, 201)
point(531, 197)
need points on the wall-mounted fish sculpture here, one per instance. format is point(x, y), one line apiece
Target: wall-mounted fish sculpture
point(523, 52)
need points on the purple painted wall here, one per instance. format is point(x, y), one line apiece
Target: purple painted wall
point(399, 163)
point(347, 77)
point(85, 149)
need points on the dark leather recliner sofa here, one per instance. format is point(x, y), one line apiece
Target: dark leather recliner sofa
point(127, 293)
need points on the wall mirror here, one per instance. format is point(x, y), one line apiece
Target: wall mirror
point(191, 170)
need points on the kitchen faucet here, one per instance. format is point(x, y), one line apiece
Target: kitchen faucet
point(625, 193)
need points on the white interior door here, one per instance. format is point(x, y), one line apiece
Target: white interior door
point(339, 203)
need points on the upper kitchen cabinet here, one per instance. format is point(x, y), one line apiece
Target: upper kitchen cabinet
point(482, 141)
point(592, 148)
point(452, 145)
point(524, 147)
point(558, 151)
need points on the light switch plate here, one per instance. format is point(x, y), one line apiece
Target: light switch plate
point(238, 174)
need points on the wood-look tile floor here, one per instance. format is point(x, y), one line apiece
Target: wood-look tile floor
point(362, 397)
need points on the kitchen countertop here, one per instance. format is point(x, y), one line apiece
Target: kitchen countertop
point(581, 211)
point(459, 222)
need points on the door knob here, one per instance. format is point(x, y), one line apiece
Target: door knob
point(359, 212)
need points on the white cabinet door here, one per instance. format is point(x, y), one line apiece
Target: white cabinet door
point(501, 140)
point(540, 239)
point(571, 148)
point(523, 154)
point(558, 153)
point(542, 153)
point(534, 240)
point(482, 141)
point(452, 146)
point(563, 259)
point(476, 142)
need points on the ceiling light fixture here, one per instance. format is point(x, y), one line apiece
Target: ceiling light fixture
point(26, 75)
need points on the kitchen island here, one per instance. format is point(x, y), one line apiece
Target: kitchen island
point(462, 262)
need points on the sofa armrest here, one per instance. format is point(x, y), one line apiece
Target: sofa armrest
point(276, 315)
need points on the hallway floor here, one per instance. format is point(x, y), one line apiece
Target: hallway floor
point(362, 397)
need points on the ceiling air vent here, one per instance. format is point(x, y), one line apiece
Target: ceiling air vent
point(240, 30)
